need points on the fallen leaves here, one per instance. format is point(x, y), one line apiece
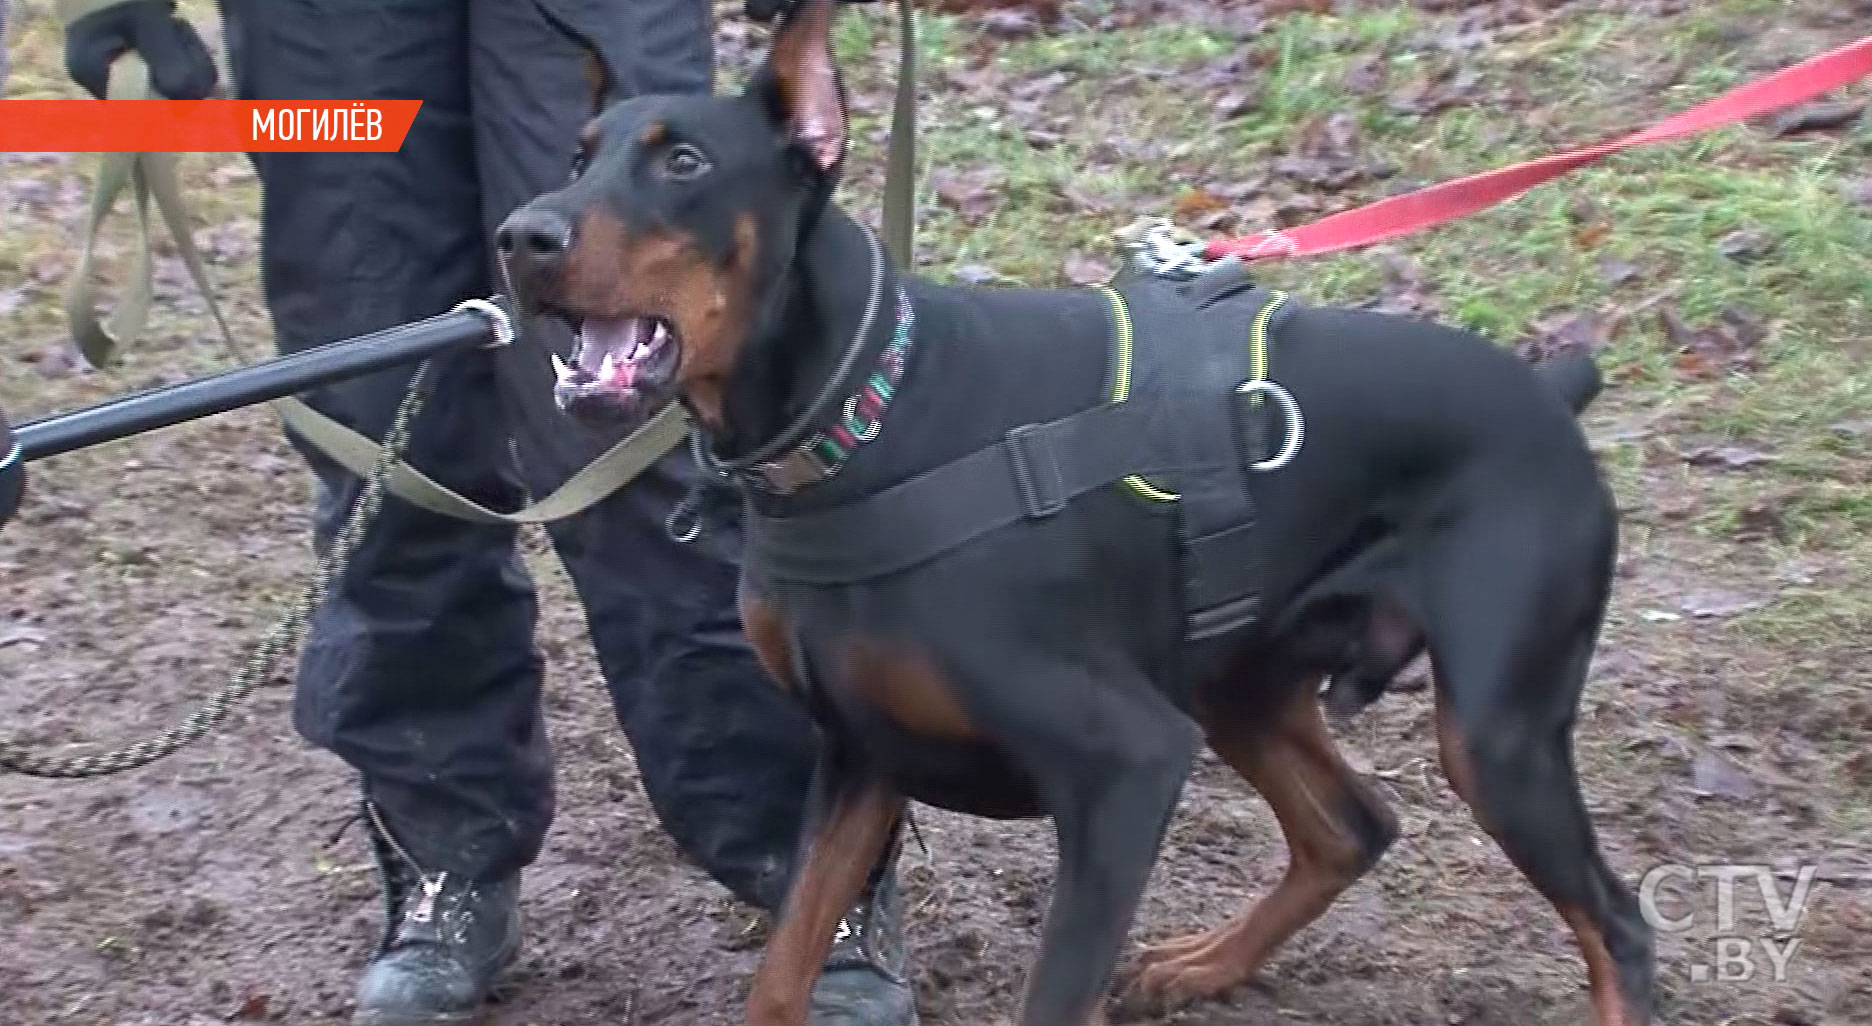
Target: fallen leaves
point(56, 361)
point(1562, 333)
point(1858, 767)
point(1278, 7)
point(1079, 198)
point(1329, 154)
point(1824, 116)
point(978, 274)
point(970, 193)
point(1761, 520)
point(1406, 291)
point(1618, 272)
point(1046, 11)
point(1745, 245)
point(1727, 457)
point(1713, 775)
point(1728, 345)
point(1434, 90)
point(1234, 104)
point(1197, 205)
point(1367, 75)
point(231, 173)
point(1082, 269)
point(1012, 24)
point(235, 241)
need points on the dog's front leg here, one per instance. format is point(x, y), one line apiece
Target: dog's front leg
point(1111, 797)
point(850, 817)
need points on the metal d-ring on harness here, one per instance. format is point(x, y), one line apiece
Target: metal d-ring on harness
point(1296, 424)
point(285, 635)
point(1158, 247)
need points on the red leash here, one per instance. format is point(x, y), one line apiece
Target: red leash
point(1448, 201)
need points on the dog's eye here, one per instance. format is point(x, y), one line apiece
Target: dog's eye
point(684, 161)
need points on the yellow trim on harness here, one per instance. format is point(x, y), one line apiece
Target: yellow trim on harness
point(1121, 374)
point(1258, 339)
point(1121, 386)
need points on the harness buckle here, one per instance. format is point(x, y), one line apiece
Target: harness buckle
point(1159, 248)
point(791, 472)
point(1036, 472)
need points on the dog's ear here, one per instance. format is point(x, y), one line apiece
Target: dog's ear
point(802, 85)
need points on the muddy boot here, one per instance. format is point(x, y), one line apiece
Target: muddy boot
point(445, 941)
point(866, 981)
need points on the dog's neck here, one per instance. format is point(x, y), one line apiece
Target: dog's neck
point(804, 330)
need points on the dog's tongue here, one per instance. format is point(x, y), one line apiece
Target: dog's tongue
point(608, 347)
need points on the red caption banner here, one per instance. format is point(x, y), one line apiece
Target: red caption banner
point(204, 126)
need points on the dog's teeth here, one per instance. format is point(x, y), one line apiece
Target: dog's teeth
point(608, 369)
point(563, 372)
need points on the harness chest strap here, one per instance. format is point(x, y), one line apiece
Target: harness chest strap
point(1031, 473)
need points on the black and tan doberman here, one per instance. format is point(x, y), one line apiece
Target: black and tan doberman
point(975, 545)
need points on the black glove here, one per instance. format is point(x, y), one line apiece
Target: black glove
point(767, 10)
point(12, 473)
point(179, 65)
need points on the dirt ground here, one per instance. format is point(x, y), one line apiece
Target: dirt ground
point(210, 887)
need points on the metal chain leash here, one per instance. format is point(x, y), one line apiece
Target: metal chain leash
point(283, 638)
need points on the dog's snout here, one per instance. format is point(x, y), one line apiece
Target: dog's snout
point(534, 240)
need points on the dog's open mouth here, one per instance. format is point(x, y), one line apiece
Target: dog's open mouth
point(619, 366)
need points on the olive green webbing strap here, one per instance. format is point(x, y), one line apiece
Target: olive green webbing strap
point(152, 176)
point(899, 228)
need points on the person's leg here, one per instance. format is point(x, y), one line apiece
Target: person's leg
point(726, 756)
point(420, 671)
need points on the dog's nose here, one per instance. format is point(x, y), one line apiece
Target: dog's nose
point(533, 240)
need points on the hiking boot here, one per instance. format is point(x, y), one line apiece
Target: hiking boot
point(866, 978)
point(446, 939)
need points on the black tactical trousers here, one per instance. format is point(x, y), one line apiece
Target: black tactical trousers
point(421, 671)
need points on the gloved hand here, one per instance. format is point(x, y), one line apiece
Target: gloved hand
point(12, 473)
point(179, 65)
point(767, 10)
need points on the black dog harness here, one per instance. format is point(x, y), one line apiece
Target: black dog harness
point(1190, 418)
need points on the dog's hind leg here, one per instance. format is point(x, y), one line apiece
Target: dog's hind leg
point(1513, 613)
point(1336, 828)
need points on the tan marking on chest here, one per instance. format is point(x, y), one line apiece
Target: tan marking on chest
point(908, 688)
point(767, 632)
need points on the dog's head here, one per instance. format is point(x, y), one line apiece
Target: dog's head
point(682, 217)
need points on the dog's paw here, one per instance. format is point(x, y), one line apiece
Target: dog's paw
point(1173, 982)
point(1172, 949)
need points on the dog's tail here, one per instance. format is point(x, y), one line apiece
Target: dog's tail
point(1574, 377)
